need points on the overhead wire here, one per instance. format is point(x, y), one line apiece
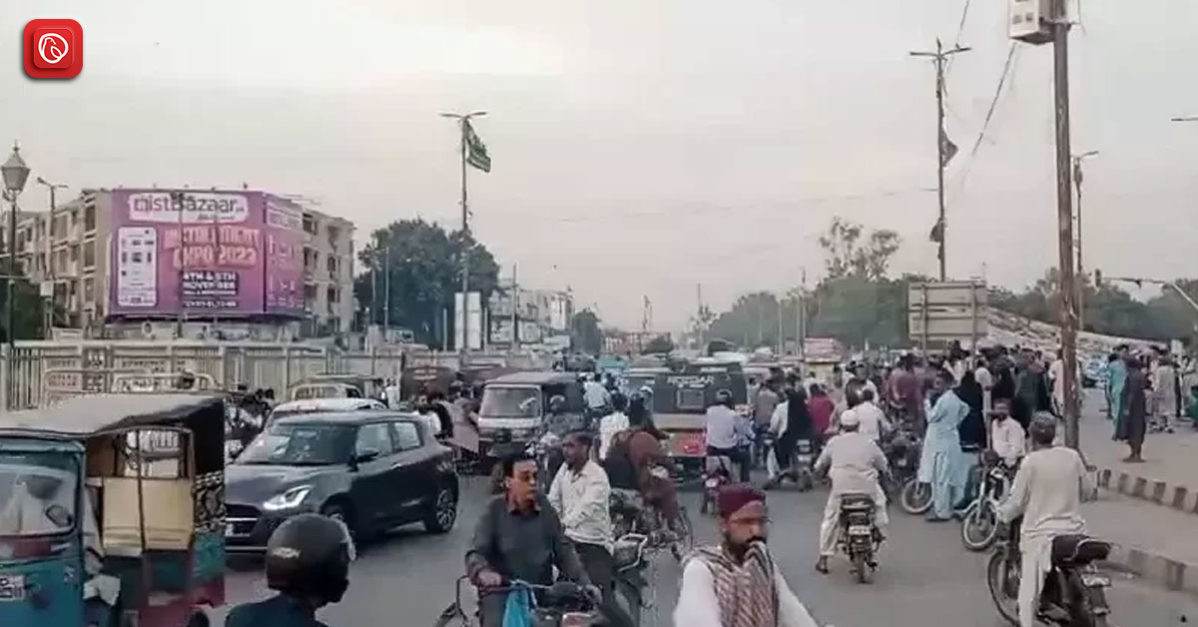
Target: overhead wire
point(1012, 55)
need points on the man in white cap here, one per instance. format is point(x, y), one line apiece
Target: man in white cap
point(854, 462)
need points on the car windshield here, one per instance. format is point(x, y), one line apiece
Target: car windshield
point(505, 402)
point(300, 445)
point(37, 493)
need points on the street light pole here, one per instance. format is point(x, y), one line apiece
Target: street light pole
point(464, 127)
point(15, 173)
point(49, 301)
point(939, 57)
point(1081, 284)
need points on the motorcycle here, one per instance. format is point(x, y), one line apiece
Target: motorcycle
point(718, 473)
point(1074, 591)
point(563, 604)
point(979, 522)
point(800, 470)
point(859, 537)
point(902, 452)
point(630, 515)
point(630, 583)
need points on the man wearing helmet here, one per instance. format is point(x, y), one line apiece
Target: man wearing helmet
point(307, 562)
point(1049, 488)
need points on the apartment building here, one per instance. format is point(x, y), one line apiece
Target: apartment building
point(241, 258)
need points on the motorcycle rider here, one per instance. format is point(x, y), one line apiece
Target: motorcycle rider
point(727, 433)
point(613, 423)
point(596, 396)
point(307, 562)
point(1007, 438)
point(738, 583)
point(519, 536)
point(855, 464)
point(1049, 488)
point(581, 496)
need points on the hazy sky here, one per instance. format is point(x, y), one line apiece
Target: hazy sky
point(640, 146)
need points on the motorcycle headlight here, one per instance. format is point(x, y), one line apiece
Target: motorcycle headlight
point(290, 499)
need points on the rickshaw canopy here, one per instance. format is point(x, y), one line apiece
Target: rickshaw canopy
point(85, 415)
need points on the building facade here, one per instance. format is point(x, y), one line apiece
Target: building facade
point(249, 263)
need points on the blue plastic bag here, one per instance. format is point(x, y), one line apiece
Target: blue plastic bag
point(518, 611)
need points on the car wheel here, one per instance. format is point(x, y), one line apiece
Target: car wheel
point(341, 514)
point(444, 511)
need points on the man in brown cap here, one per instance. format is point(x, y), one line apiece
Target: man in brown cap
point(737, 584)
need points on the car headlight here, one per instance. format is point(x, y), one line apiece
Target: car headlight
point(290, 499)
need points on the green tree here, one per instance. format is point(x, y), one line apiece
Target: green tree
point(422, 262)
point(850, 251)
point(659, 344)
point(585, 332)
point(27, 312)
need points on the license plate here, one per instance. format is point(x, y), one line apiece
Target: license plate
point(12, 588)
point(860, 530)
point(902, 463)
point(1096, 580)
point(711, 483)
point(804, 460)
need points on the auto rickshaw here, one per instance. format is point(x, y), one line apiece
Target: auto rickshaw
point(112, 511)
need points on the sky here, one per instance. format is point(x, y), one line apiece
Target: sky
point(640, 147)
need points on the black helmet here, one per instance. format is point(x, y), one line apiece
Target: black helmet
point(309, 556)
point(723, 397)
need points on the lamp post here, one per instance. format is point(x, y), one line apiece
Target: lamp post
point(49, 300)
point(15, 173)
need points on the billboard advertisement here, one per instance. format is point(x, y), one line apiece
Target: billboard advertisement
point(205, 254)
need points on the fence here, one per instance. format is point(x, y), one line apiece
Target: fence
point(34, 367)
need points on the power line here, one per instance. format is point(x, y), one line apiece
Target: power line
point(1008, 65)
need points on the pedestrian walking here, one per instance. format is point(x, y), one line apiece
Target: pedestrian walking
point(1116, 381)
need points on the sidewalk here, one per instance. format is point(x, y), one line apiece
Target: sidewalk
point(1154, 543)
point(1169, 474)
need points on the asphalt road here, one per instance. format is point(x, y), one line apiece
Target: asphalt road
point(926, 577)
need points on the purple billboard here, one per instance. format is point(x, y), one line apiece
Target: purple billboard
point(205, 254)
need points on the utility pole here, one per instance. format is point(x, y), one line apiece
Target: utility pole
point(515, 301)
point(386, 290)
point(1081, 284)
point(49, 301)
point(943, 152)
point(464, 129)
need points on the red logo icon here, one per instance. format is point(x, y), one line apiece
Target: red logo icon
point(53, 48)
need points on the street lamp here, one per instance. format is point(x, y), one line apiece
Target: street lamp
point(1081, 290)
point(15, 173)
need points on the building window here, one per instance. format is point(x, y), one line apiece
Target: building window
point(309, 224)
point(333, 295)
point(331, 263)
point(89, 290)
point(89, 218)
point(334, 235)
point(74, 253)
point(311, 257)
point(309, 295)
point(89, 254)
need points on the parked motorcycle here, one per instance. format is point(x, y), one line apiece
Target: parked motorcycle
point(903, 450)
point(859, 537)
point(1074, 592)
point(979, 523)
point(563, 604)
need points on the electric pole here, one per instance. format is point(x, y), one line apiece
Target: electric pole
point(465, 131)
point(386, 291)
point(944, 148)
point(1081, 284)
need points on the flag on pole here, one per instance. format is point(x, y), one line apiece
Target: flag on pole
point(948, 149)
point(937, 233)
point(476, 151)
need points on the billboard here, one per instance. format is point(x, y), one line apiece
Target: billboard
point(943, 312)
point(204, 254)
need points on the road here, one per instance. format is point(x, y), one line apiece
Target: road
point(925, 578)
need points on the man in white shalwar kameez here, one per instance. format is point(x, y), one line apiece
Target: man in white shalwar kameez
point(1048, 492)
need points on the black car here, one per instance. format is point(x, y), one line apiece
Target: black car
point(374, 470)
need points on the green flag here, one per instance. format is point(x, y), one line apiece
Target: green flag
point(476, 151)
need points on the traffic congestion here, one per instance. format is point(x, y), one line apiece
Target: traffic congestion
point(577, 492)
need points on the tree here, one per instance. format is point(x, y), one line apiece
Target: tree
point(423, 264)
point(27, 313)
point(585, 332)
point(846, 255)
point(659, 344)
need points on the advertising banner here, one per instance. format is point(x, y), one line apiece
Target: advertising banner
point(202, 254)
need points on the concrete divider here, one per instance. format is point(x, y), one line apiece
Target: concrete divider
point(1178, 497)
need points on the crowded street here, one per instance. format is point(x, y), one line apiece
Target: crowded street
point(925, 577)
